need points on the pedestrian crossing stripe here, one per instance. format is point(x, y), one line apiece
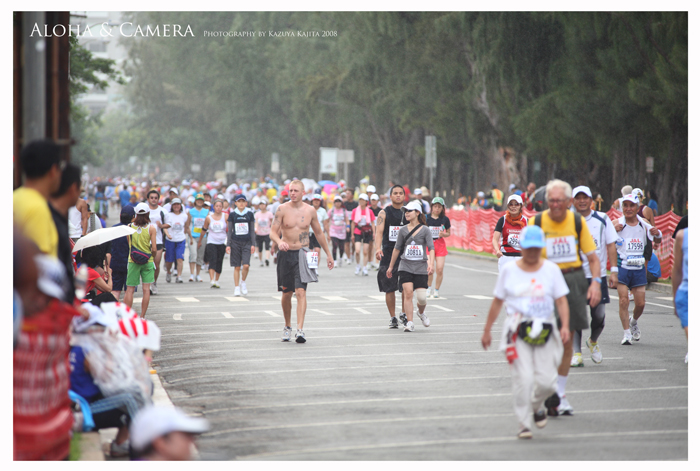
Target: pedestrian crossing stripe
point(188, 300)
point(236, 299)
point(334, 298)
point(478, 296)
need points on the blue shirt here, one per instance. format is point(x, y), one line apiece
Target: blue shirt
point(197, 218)
point(654, 267)
point(80, 380)
point(124, 197)
point(120, 253)
point(653, 205)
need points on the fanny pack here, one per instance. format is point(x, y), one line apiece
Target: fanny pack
point(525, 328)
point(139, 257)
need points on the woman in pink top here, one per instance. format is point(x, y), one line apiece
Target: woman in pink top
point(263, 223)
point(338, 221)
point(362, 230)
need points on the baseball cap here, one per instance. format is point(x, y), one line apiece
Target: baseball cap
point(631, 197)
point(582, 189)
point(284, 193)
point(142, 208)
point(190, 199)
point(153, 421)
point(363, 196)
point(185, 182)
point(371, 189)
point(128, 210)
point(438, 200)
point(515, 198)
point(480, 194)
point(374, 197)
point(532, 236)
point(51, 275)
point(240, 196)
point(413, 206)
point(417, 191)
point(317, 197)
point(639, 192)
point(199, 196)
point(338, 198)
point(255, 201)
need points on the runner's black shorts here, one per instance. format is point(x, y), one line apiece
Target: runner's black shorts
point(262, 240)
point(288, 275)
point(215, 255)
point(240, 252)
point(419, 281)
point(313, 242)
point(364, 237)
point(387, 285)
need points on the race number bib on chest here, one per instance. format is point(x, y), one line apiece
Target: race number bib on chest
point(435, 231)
point(514, 239)
point(338, 219)
point(262, 223)
point(217, 226)
point(241, 228)
point(198, 223)
point(312, 259)
point(393, 233)
point(177, 227)
point(562, 249)
point(413, 252)
point(363, 221)
point(634, 246)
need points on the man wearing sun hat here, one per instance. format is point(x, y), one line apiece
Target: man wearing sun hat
point(161, 433)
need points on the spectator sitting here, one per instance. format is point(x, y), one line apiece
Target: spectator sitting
point(165, 434)
point(653, 269)
point(99, 281)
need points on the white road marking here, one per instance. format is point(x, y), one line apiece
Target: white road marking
point(378, 298)
point(424, 418)
point(471, 269)
point(665, 298)
point(479, 297)
point(425, 398)
point(273, 314)
point(188, 300)
point(442, 308)
point(363, 311)
point(660, 305)
point(237, 299)
point(177, 317)
point(227, 314)
point(647, 302)
point(456, 441)
point(334, 298)
point(322, 312)
point(137, 300)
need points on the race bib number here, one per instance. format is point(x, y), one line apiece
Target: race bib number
point(262, 223)
point(413, 252)
point(514, 239)
point(363, 221)
point(217, 226)
point(241, 228)
point(198, 223)
point(312, 259)
point(338, 219)
point(435, 231)
point(393, 233)
point(177, 227)
point(634, 246)
point(562, 249)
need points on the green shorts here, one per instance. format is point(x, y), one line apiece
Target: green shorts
point(578, 289)
point(137, 274)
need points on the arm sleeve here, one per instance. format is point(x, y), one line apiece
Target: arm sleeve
point(251, 229)
point(229, 231)
point(499, 224)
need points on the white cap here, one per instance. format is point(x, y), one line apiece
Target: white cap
point(174, 190)
point(515, 198)
point(305, 198)
point(511, 186)
point(185, 182)
point(480, 194)
point(371, 189)
point(175, 201)
point(639, 192)
point(152, 422)
point(255, 201)
point(363, 196)
point(207, 203)
point(142, 208)
point(364, 180)
point(97, 316)
point(413, 206)
point(417, 191)
point(275, 198)
point(338, 198)
point(374, 197)
point(631, 197)
point(190, 199)
point(51, 275)
point(582, 189)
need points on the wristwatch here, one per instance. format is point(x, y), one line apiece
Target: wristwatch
point(598, 279)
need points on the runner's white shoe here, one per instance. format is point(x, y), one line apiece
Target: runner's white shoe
point(576, 360)
point(244, 288)
point(237, 291)
point(365, 271)
point(626, 340)
point(191, 277)
point(564, 407)
point(301, 338)
point(286, 334)
point(634, 329)
point(168, 277)
point(596, 354)
point(178, 279)
point(199, 279)
point(436, 294)
point(409, 327)
point(154, 288)
point(357, 270)
point(424, 318)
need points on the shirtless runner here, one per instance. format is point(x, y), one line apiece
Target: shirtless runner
point(292, 220)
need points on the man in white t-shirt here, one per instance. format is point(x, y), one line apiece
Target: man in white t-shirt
point(157, 216)
point(604, 235)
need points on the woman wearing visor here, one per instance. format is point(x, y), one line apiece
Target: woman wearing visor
point(530, 288)
point(506, 235)
point(439, 226)
point(417, 262)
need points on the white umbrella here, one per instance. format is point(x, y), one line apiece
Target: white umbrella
point(100, 236)
point(309, 184)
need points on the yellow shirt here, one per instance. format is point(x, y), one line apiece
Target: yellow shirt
point(561, 240)
point(270, 193)
point(32, 216)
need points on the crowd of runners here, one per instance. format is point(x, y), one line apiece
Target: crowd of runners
point(551, 266)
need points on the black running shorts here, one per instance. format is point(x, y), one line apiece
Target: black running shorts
point(313, 242)
point(288, 275)
point(387, 285)
point(419, 281)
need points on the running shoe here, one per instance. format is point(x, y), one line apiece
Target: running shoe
point(267, 263)
point(244, 289)
point(199, 279)
point(424, 318)
point(540, 418)
point(255, 255)
point(430, 293)
point(286, 334)
point(357, 270)
point(634, 329)
point(626, 340)
point(525, 433)
point(300, 336)
point(552, 403)
point(564, 407)
point(168, 277)
point(403, 319)
point(178, 279)
point(154, 288)
point(340, 263)
point(191, 277)
point(214, 284)
point(436, 294)
point(237, 291)
point(577, 360)
point(409, 327)
point(205, 267)
point(261, 263)
point(365, 271)
point(596, 354)
point(393, 323)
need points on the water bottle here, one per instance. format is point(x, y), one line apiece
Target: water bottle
point(619, 241)
point(81, 281)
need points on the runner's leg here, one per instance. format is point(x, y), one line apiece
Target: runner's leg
point(287, 308)
point(439, 270)
point(624, 306)
point(301, 307)
point(639, 294)
point(408, 299)
point(146, 298)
